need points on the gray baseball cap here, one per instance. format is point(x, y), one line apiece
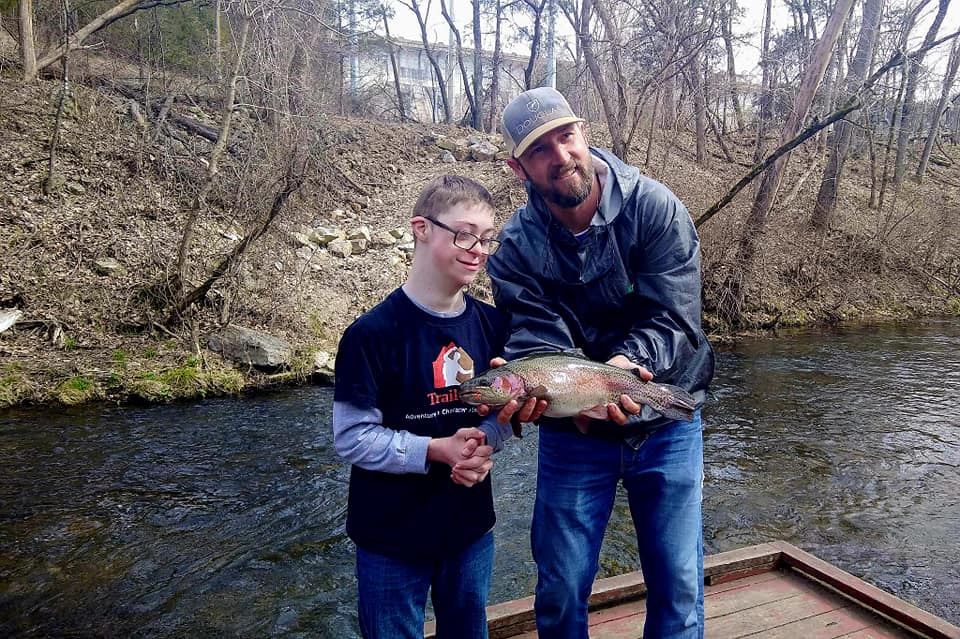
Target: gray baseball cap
point(533, 113)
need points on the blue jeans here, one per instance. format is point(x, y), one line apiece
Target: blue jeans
point(576, 484)
point(393, 593)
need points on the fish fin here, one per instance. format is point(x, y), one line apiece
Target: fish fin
point(681, 398)
point(679, 405)
point(597, 412)
point(515, 425)
point(583, 425)
point(678, 414)
point(540, 392)
point(575, 352)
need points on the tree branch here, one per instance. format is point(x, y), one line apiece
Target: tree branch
point(852, 104)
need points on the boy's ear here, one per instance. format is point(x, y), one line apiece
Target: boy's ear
point(418, 224)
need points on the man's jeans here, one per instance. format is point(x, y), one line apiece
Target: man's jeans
point(393, 593)
point(576, 484)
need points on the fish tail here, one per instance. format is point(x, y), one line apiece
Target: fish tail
point(675, 403)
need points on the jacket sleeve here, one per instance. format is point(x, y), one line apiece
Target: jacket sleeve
point(665, 273)
point(533, 326)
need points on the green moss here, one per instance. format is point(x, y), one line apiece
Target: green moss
point(15, 387)
point(302, 363)
point(119, 356)
point(193, 379)
point(953, 305)
point(149, 387)
point(225, 381)
point(185, 381)
point(77, 390)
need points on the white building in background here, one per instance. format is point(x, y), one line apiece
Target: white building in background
point(418, 82)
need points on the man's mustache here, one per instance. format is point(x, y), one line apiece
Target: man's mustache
point(572, 165)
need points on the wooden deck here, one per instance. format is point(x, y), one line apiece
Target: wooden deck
point(769, 591)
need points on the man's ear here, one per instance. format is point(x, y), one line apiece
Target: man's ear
point(514, 164)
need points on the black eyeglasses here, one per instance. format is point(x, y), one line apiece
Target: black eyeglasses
point(466, 240)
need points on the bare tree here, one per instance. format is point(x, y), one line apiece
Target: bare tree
point(384, 10)
point(28, 52)
point(839, 142)
point(726, 27)
point(494, 114)
point(53, 177)
point(634, 50)
point(422, 16)
point(906, 110)
point(770, 181)
point(212, 167)
point(767, 81)
point(933, 133)
point(111, 15)
point(585, 36)
point(477, 66)
point(472, 100)
point(536, 14)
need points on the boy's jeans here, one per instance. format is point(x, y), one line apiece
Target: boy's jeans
point(577, 481)
point(393, 593)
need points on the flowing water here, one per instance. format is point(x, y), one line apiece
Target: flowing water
point(225, 517)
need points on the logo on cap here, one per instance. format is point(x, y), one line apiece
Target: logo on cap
point(533, 105)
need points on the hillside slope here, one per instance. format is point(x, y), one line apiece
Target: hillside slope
point(93, 328)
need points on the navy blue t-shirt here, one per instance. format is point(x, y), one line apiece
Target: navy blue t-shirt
point(409, 364)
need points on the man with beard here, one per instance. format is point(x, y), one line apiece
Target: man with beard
point(605, 260)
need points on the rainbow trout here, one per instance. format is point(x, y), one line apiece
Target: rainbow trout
point(573, 385)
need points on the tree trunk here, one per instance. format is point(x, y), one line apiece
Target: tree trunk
point(770, 181)
point(494, 121)
point(28, 51)
point(934, 131)
point(471, 99)
point(892, 133)
point(586, 42)
point(117, 11)
point(186, 240)
point(218, 34)
point(765, 114)
point(393, 64)
point(534, 42)
point(432, 57)
point(619, 77)
point(903, 136)
point(839, 142)
point(699, 109)
point(477, 67)
point(727, 31)
point(52, 182)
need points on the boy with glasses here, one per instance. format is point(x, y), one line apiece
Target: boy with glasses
point(421, 507)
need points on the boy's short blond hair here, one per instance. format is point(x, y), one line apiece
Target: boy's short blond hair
point(447, 191)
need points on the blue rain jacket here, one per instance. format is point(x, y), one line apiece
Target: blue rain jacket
point(629, 285)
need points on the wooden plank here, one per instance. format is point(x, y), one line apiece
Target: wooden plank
point(875, 633)
point(885, 604)
point(829, 625)
point(765, 617)
point(738, 599)
point(743, 561)
point(748, 592)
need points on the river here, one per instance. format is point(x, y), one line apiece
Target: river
point(225, 517)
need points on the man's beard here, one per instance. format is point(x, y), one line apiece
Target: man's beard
point(575, 194)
